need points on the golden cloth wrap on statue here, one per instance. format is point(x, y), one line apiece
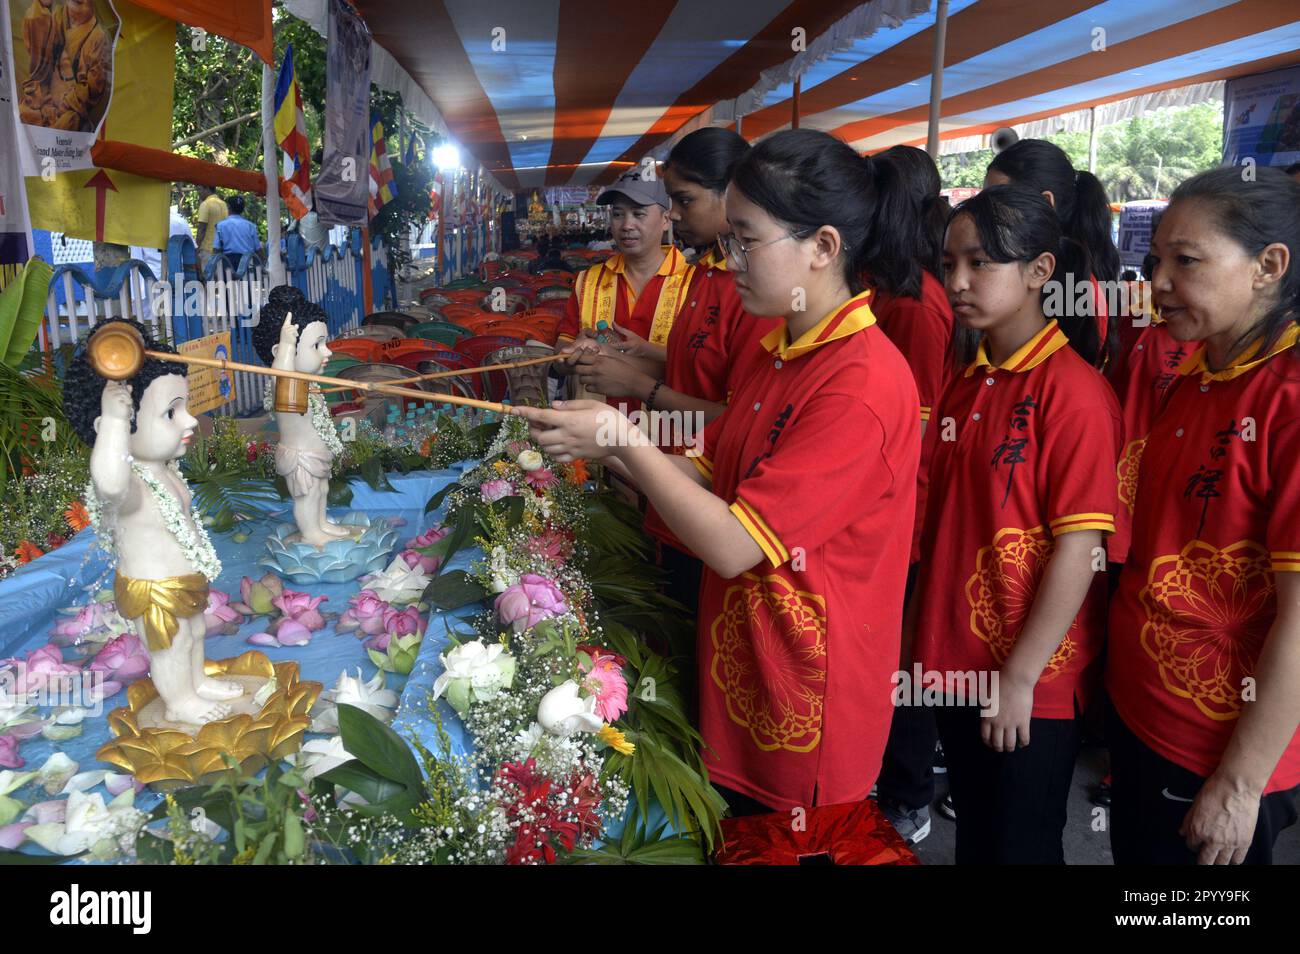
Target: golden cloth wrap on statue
point(162, 603)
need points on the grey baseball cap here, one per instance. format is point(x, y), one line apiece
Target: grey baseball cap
point(641, 191)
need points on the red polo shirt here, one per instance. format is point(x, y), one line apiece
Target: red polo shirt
point(817, 455)
point(1217, 517)
point(709, 336)
point(641, 314)
point(1026, 452)
point(922, 330)
point(1147, 365)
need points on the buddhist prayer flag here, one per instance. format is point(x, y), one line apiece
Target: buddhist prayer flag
point(382, 187)
point(291, 134)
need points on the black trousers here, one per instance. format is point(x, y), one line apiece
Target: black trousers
point(684, 573)
point(1011, 806)
point(907, 770)
point(1144, 818)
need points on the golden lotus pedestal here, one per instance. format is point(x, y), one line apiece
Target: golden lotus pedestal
point(166, 755)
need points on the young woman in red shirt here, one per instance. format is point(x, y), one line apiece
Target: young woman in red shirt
point(1084, 212)
point(1009, 607)
point(913, 311)
point(1203, 665)
point(801, 504)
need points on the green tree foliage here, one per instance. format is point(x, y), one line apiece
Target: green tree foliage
point(1168, 145)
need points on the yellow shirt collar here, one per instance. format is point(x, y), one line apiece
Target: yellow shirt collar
point(712, 259)
point(847, 319)
point(1243, 362)
point(673, 262)
point(1029, 355)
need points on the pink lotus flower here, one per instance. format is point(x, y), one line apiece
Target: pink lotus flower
point(122, 660)
point(495, 489)
point(540, 479)
point(89, 618)
point(365, 612)
point(531, 600)
point(288, 632)
point(220, 618)
point(9, 757)
point(553, 545)
point(256, 596)
point(379, 642)
point(605, 679)
point(301, 608)
point(402, 622)
point(417, 560)
point(11, 836)
point(429, 537)
point(43, 670)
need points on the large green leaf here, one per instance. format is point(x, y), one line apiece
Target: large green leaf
point(340, 493)
point(228, 496)
point(378, 746)
point(372, 472)
point(453, 590)
point(436, 500)
point(384, 795)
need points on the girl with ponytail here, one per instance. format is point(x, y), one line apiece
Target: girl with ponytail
point(916, 316)
point(800, 500)
point(1084, 211)
point(1203, 665)
point(1022, 490)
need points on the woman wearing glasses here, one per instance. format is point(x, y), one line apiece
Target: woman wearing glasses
point(690, 376)
point(801, 503)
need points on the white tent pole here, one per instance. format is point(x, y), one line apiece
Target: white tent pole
point(274, 263)
point(1092, 140)
point(936, 77)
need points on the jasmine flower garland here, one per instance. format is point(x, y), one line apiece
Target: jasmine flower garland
point(194, 542)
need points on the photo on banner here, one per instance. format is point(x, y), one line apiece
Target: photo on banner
point(135, 107)
point(62, 55)
point(343, 186)
point(1261, 118)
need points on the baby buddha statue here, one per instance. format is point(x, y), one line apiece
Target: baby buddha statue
point(291, 334)
point(138, 428)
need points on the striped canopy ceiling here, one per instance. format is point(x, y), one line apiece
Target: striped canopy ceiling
point(583, 88)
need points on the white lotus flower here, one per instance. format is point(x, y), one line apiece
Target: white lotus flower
point(530, 460)
point(563, 712)
point(14, 711)
point(370, 696)
point(399, 584)
point(11, 781)
point(473, 671)
point(320, 755)
point(89, 825)
point(55, 773)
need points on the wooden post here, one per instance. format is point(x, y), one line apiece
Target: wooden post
point(936, 78)
point(794, 103)
point(367, 285)
point(270, 162)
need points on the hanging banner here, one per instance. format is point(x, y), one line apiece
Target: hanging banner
point(62, 56)
point(343, 186)
point(15, 226)
point(247, 22)
point(1261, 118)
point(210, 388)
point(66, 193)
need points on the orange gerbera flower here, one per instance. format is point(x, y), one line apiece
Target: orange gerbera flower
point(578, 472)
point(77, 517)
point(28, 551)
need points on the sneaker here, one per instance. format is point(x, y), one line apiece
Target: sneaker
point(911, 824)
point(940, 763)
point(947, 809)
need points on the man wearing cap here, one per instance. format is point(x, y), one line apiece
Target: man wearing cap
point(639, 288)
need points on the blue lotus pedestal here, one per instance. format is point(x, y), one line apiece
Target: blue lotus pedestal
point(339, 561)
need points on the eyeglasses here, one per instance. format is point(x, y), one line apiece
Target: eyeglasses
point(730, 247)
